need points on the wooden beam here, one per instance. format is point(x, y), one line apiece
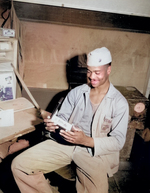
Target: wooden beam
point(83, 18)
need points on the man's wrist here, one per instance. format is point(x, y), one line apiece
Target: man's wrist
point(88, 142)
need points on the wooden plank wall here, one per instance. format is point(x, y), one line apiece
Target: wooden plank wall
point(47, 47)
point(80, 17)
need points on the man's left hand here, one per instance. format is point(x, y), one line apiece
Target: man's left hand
point(77, 136)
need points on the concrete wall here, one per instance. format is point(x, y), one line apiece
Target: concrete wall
point(46, 47)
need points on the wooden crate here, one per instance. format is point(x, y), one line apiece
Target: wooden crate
point(138, 105)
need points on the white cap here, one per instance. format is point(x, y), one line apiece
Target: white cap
point(99, 57)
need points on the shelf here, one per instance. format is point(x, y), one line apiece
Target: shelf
point(8, 55)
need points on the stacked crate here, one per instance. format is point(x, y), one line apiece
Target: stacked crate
point(138, 105)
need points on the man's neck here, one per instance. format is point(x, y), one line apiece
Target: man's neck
point(97, 94)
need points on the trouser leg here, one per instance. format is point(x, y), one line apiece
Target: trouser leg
point(29, 166)
point(33, 183)
point(91, 173)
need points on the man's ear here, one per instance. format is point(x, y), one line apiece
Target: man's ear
point(109, 69)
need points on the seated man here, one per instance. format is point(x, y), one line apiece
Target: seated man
point(99, 114)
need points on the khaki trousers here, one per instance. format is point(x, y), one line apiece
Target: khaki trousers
point(28, 168)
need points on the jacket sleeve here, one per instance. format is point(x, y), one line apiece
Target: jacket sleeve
point(67, 106)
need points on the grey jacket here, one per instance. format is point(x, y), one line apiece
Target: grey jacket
point(109, 126)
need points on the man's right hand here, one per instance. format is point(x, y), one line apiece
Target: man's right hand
point(49, 125)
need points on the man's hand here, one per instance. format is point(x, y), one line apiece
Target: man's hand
point(49, 125)
point(77, 136)
point(44, 114)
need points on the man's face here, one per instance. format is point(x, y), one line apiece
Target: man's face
point(98, 76)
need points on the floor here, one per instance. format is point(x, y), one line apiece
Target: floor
point(128, 180)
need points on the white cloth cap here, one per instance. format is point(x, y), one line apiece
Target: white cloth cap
point(99, 57)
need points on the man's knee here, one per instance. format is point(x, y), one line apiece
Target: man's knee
point(16, 164)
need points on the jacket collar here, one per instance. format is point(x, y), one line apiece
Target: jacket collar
point(111, 91)
point(110, 94)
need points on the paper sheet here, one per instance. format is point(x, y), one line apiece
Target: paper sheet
point(6, 118)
